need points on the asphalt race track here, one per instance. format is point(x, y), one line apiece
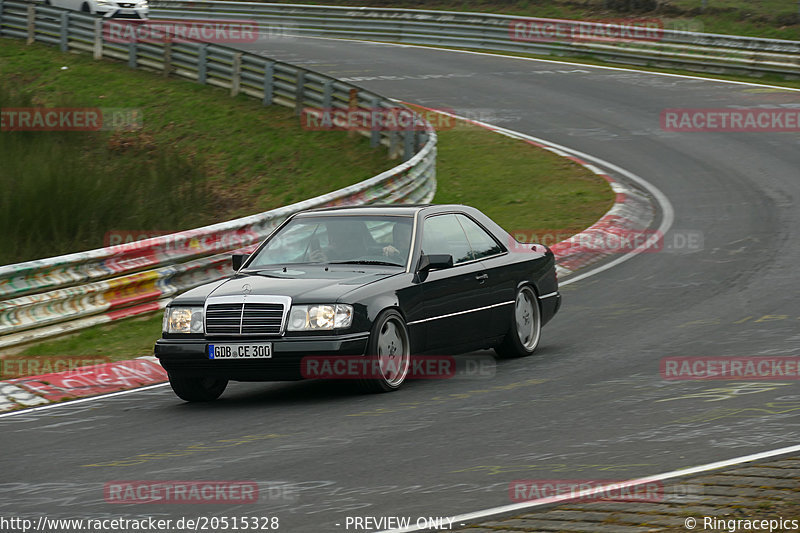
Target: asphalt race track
point(590, 405)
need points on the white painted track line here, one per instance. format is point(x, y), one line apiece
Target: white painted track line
point(525, 506)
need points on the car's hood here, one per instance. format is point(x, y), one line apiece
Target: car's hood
point(303, 284)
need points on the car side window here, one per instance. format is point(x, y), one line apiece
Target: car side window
point(483, 245)
point(442, 234)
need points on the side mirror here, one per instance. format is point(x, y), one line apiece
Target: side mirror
point(237, 260)
point(435, 261)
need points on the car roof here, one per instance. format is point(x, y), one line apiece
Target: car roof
point(378, 209)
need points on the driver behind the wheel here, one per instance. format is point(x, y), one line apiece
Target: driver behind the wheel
point(347, 241)
point(401, 242)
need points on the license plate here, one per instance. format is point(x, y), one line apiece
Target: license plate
point(260, 350)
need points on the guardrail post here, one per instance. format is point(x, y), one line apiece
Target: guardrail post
point(167, 58)
point(132, 54)
point(64, 32)
point(300, 92)
point(375, 116)
point(269, 74)
point(202, 59)
point(236, 73)
point(352, 105)
point(98, 38)
point(394, 145)
point(327, 94)
point(31, 23)
point(408, 144)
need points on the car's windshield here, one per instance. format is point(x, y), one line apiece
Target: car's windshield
point(362, 239)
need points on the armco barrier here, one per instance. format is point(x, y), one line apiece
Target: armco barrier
point(60, 294)
point(616, 41)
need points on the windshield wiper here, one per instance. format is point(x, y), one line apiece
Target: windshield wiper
point(365, 262)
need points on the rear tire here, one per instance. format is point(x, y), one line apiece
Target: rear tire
point(526, 326)
point(388, 353)
point(197, 389)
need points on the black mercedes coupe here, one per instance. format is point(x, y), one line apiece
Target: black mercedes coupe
point(376, 285)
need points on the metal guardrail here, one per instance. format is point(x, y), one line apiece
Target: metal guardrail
point(51, 296)
point(661, 47)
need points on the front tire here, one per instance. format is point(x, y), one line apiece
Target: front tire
point(526, 326)
point(388, 353)
point(197, 389)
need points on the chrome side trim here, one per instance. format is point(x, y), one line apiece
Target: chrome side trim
point(459, 313)
point(548, 295)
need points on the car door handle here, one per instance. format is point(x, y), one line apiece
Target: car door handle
point(482, 277)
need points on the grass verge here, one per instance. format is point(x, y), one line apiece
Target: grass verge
point(200, 156)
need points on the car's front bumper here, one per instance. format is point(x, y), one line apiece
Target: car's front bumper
point(190, 357)
point(116, 12)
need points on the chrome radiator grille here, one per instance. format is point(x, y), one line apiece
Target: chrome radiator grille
point(245, 318)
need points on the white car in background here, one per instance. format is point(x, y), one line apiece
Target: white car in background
point(128, 9)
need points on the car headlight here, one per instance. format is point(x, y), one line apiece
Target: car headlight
point(105, 3)
point(320, 317)
point(179, 319)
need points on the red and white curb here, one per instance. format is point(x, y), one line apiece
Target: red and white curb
point(36, 391)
